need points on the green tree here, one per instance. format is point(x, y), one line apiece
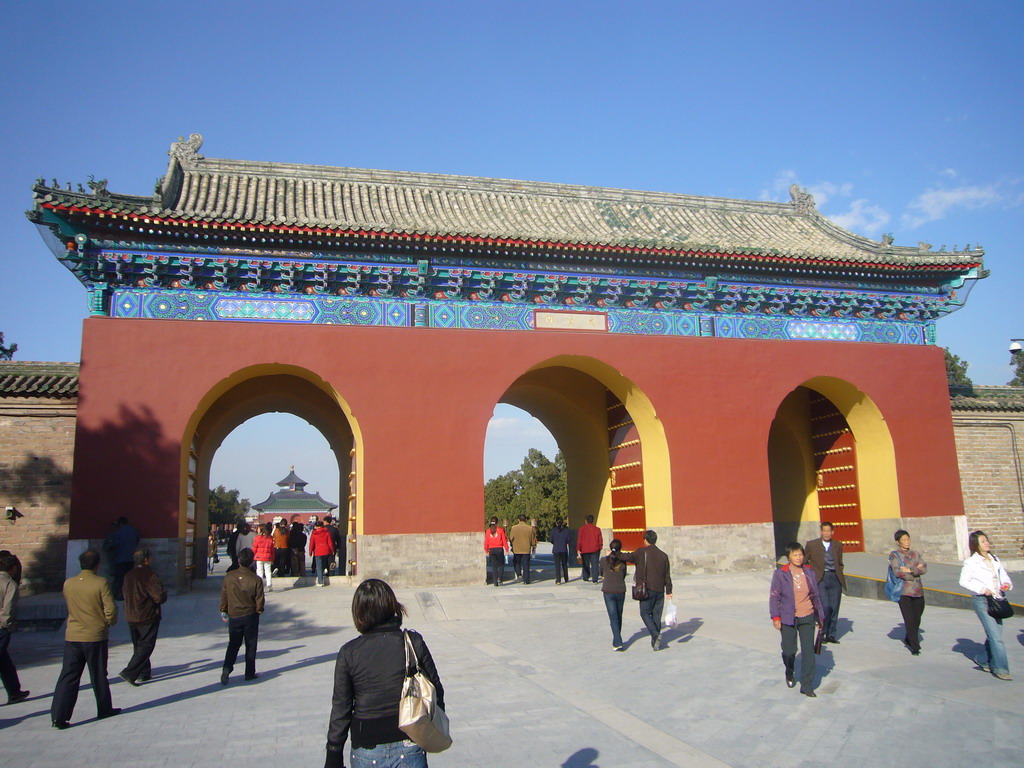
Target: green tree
point(536, 490)
point(225, 508)
point(7, 353)
point(1017, 360)
point(956, 370)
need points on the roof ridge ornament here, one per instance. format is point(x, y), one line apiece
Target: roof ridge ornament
point(801, 199)
point(187, 152)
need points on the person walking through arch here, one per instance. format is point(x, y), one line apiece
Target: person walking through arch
point(825, 556)
point(321, 548)
point(241, 604)
point(589, 541)
point(561, 540)
point(795, 609)
point(908, 566)
point(523, 538)
point(496, 547)
point(654, 570)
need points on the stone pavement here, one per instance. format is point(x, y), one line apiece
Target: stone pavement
point(531, 680)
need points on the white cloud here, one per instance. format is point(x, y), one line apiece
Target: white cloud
point(862, 217)
point(934, 204)
point(950, 172)
point(824, 191)
point(778, 190)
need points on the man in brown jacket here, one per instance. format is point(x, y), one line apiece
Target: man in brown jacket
point(652, 568)
point(825, 556)
point(241, 603)
point(523, 538)
point(143, 596)
point(91, 613)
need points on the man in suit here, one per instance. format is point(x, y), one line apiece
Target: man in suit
point(652, 567)
point(91, 613)
point(523, 538)
point(825, 556)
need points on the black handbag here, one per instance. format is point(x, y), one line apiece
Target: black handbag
point(640, 591)
point(999, 608)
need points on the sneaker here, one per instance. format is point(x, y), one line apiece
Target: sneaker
point(253, 676)
point(127, 679)
point(224, 678)
point(1002, 676)
point(984, 667)
point(60, 725)
point(16, 697)
point(809, 694)
point(275, 572)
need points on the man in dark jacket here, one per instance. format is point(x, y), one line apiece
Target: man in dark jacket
point(340, 550)
point(241, 603)
point(143, 596)
point(825, 556)
point(561, 540)
point(652, 567)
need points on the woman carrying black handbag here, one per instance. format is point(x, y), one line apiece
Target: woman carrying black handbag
point(986, 578)
point(368, 679)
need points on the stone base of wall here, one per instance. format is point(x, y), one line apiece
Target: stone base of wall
point(422, 559)
point(166, 554)
point(718, 548)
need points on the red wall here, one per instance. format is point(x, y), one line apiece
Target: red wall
point(422, 398)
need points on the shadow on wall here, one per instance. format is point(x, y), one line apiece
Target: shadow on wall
point(37, 486)
point(147, 464)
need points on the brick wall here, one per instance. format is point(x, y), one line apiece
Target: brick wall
point(37, 440)
point(989, 447)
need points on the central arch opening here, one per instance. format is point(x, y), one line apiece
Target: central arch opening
point(247, 396)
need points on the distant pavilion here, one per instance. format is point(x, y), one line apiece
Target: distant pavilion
point(293, 503)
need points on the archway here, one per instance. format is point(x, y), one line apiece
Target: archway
point(243, 396)
point(830, 457)
point(614, 447)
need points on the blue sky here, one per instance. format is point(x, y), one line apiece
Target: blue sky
point(901, 117)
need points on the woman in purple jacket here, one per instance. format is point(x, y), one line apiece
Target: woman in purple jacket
point(796, 609)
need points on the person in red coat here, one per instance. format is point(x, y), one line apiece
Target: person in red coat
point(264, 552)
point(321, 547)
point(496, 547)
point(588, 543)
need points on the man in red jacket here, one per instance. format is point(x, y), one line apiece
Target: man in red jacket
point(321, 547)
point(588, 543)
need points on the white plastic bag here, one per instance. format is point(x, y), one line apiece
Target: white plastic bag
point(670, 615)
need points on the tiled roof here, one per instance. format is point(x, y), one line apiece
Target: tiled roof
point(293, 500)
point(30, 379)
point(237, 193)
point(986, 398)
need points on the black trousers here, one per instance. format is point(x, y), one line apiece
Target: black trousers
point(247, 629)
point(651, 610)
point(120, 571)
point(283, 561)
point(912, 608)
point(496, 558)
point(522, 565)
point(561, 567)
point(78, 656)
point(8, 672)
point(831, 592)
point(805, 630)
point(591, 568)
point(143, 643)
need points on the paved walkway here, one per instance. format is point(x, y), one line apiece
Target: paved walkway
point(531, 680)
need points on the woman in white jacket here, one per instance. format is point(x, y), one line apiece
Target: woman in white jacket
point(984, 575)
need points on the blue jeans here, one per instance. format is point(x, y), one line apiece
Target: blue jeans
point(322, 564)
point(995, 650)
point(397, 754)
point(614, 603)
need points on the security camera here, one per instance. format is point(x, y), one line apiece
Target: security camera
point(1015, 346)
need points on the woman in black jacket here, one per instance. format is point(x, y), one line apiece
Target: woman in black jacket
point(368, 681)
